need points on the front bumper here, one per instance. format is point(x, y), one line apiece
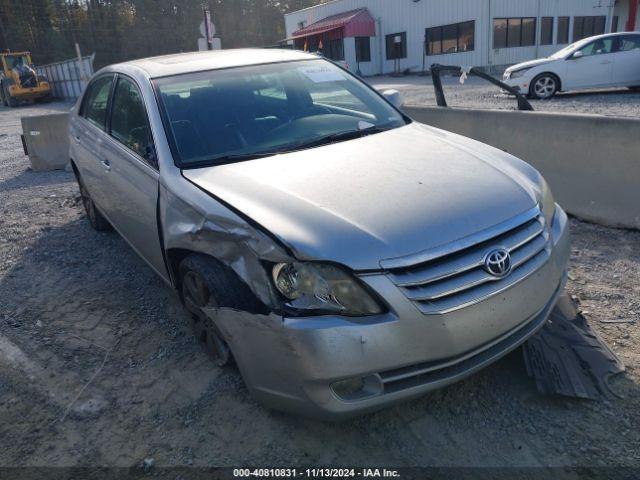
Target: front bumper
point(520, 84)
point(291, 364)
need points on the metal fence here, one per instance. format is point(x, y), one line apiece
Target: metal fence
point(69, 77)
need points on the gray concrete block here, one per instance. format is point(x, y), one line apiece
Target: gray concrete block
point(46, 141)
point(592, 162)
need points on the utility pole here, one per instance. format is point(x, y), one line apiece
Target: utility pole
point(207, 27)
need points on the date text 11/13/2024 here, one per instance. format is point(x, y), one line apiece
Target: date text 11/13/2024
point(315, 473)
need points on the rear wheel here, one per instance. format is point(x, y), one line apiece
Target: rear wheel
point(96, 219)
point(544, 86)
point(48, 96)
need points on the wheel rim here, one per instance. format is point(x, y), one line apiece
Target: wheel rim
point(196, 296)
point(545, 87)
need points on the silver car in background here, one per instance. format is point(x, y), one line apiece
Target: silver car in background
point(345, 256)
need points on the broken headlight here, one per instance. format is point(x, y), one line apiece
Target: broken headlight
point(323, 288)
point(547, 202)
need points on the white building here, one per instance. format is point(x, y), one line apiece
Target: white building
point(383, 36)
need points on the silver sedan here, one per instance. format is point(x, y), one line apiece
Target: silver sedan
point(343, 255)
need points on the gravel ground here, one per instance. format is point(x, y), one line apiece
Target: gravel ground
point(477, 93)
point(98, 367)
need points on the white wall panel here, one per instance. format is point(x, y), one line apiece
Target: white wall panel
point(395, 16)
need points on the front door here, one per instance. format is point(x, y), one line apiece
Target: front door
point(593, 69)
point(133, 175)
point(88, 134)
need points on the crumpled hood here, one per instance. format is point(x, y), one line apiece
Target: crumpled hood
point(379, 197)
point(529, 64)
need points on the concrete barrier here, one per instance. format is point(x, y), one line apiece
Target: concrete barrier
point(592, 162)
point(46, 142)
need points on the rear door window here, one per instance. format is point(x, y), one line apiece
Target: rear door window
point(628, 43)
point(129, 122)
point(97, 100)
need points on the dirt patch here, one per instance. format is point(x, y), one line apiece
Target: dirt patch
point(98, 366)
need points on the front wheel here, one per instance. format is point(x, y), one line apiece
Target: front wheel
point(199, 277)
point(544, 86)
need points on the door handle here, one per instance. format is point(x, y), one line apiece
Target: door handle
point(77, 138)
point(106, 164)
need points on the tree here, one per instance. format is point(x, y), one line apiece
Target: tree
point(120, 30)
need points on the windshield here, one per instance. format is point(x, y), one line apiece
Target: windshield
point(236, 114)
point(570, 48)
point(14, 61)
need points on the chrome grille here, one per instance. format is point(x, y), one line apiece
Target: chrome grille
point(455, 277)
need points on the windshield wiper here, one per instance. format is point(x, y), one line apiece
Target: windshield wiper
point(240, 157)
point(317, 142)
point(341, 137)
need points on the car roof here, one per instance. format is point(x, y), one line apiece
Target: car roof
point(609, 35)
point(578, 44)
point(177, 64)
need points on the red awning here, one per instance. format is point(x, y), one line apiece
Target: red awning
point(356, 23)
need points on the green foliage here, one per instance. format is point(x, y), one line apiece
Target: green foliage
point(119, 30)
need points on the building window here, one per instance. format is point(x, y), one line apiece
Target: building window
point(334, 49)
point(455, 38)
point(500, 33)
point(514, 32)
point(584, 27)
point(563, 30)
point(363, 49)
point(396, 46)
point(546, 31)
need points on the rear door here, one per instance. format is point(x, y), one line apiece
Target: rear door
point(626, 65)
point(133, 173)
point(88, 133)
point(593, 69)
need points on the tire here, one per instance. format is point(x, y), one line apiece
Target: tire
point(544, 86)
point(635, 89)
point(205, 282)
point(11, 101)
point(48, 97)
point(97, 221)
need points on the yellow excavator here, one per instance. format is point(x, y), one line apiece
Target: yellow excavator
point(19, 80)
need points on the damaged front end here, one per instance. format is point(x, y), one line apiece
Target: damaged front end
point(207, 227)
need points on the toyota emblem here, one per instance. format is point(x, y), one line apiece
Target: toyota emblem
point(498, 263)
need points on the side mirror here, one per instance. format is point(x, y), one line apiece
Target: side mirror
point(577, 55)
point(394, 97)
